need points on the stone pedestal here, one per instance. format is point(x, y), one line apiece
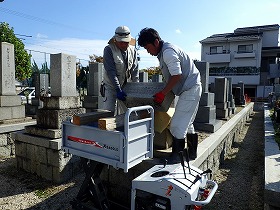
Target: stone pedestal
point(206, 115)
point(38, 147)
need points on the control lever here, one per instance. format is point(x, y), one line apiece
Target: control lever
point(196, 179)
point(208, 171)
point(165, 163)
point(182, 162)
point(188, 159)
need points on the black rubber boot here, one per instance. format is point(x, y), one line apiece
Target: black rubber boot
point(192, 142)
point(178, 145)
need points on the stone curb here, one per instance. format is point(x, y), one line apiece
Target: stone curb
point(272, 164)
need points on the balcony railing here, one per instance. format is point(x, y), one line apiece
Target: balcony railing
point(231, 71)
point(218, 57)
point(244, 54)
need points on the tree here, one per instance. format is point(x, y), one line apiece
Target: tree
point(22, 58)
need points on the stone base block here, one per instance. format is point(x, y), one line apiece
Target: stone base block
point(205, 114)
point(209, 127)
point(222, 113)
point(10, 100)
point(91, 102)
point(141, 93)
point(31, 109)
point(52, 119)
point(12, 112)
point(45, 158)
point(48, 133)
point(207, 99)
point(65, 102)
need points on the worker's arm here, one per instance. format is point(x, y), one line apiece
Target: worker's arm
point(173, 80)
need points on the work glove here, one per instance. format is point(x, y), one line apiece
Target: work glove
point(159, 98)
point(121, 95)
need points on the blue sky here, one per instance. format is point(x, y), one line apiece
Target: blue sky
point(83, 28)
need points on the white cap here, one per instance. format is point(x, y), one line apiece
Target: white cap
point(122, 34)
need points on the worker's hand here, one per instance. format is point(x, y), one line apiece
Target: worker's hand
point(121, 95)
point(159, 98)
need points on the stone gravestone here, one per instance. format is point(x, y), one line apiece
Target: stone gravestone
point(10, 103)
point(143, 76)
point(206, 115)
point(38, 148)
point(240, 97)
point(41, 89)
point(232, 107)
point(157, 78)
point(221, 97)
point(12, 112)
point(93, 99)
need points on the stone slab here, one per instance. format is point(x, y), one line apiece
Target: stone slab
point(10, 100)
point(7, 69)
point(15, 124)
point(207, 99)
point(205, 114)
point(141, 93)
point(64, 102)
point(12, 112)
point(209, 127)
point(272, 166)
point(91, 102)
point(51, 118)
point(63, 75)
point(21, 136)
point(44, 132)
point(222, 113)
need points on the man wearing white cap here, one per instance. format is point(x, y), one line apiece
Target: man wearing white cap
point(121, 66)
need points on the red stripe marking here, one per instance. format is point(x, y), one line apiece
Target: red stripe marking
point(84, 141)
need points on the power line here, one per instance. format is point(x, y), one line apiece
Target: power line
point(38, 19)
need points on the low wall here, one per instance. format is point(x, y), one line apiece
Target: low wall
point(215, 148)
point(7, 142)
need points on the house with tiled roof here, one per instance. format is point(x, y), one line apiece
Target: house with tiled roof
point(250, 55)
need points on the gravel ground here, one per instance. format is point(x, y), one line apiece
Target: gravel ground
point(240, 179)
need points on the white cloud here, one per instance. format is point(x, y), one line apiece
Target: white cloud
point(178, 31)
point(41, 36)
point(81, 48)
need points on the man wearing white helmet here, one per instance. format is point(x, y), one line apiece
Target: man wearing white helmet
point(121, 66)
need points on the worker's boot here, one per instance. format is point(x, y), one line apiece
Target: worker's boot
point(178, 145)
point(192, 142)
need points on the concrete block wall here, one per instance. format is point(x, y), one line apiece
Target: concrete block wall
point(7, 146)
point(44, 157)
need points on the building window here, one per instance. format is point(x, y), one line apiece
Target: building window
point(216, 50)
point(245, 48)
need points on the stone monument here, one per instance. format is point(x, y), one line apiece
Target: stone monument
point(12, 112)
point(221, 98)
point(38, 148)
point(93, 99)
point(206, 115)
